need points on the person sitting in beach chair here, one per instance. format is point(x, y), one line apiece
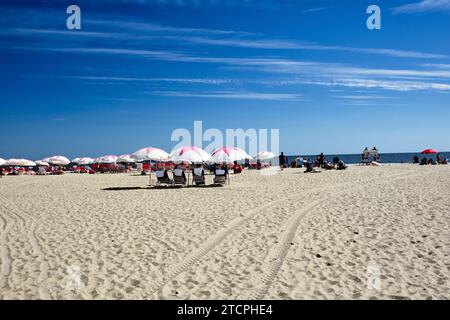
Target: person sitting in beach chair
point(336, 160)
point(424, 161)
point(221, 174)
point(310, 167)
point(341, 165)
point(162, 176)
point(328, 165)
point(198, 174)
point(439, 160)
point(179, 177)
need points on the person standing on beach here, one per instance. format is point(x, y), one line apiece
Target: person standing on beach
point(282, 160)
point(375, 154)
point(321, 159)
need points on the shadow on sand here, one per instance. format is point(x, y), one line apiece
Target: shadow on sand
point(162, 187)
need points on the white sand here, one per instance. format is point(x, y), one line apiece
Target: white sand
point(363, 233)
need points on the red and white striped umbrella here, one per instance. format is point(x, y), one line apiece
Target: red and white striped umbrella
point(150, 153)
point(189, 154)
point(229, 155)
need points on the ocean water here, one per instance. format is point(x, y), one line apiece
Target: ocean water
point(384, 157)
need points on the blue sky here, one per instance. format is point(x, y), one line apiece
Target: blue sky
point(140, 69)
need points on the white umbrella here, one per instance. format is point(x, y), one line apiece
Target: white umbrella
point(57, 161)
point(20, 163)
point(109, 159)
point(229, 155)
point(2, 161)
point(84, 161)
point(75, 160)
point(189, 154)
point(41, 163)
point(265, 155)
point(125, 158)
point(150, 153)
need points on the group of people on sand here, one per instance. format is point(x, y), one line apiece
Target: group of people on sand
point(311, 165)
point(369, 156)
point(426, 161)
point(30, 171)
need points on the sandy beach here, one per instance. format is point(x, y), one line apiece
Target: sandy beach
point(363, 233)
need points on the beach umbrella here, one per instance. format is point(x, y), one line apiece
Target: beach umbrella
point(150, 153)
point(20, 163)
point(189, 154)
point(84, 161)
point(109, 159)
point(229, 155)
point(241, 153)
point(75, 160)
point(265, 155)
point(125, 158)
point(429, 151)
point(2, 161)
point(41, 163)
point(57, 161)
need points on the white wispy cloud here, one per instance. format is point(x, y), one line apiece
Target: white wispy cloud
point(210, 81)
point(230, 95)
point(153, 27)
point(436, 65)
point(423, 6)
point(361, 97)
point(315, 9)
point(132, 31)
point(380, 84)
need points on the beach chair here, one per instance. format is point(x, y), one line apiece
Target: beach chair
point(162, 177)
point(220, 177)
point(199, 177)
point(179, 178)
point(42, 171)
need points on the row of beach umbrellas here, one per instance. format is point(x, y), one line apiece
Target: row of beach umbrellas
point(189, 154)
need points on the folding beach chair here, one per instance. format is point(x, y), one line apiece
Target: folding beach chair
point(42, 171)
point(179, 178)
point(162, 177)
point(220, 177)
point(199, 177)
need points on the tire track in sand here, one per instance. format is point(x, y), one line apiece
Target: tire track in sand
point(223, 233)
point(5, 257)
point(278, 255)
point(34, 242)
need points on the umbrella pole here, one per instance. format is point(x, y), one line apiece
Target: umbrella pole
point(150, 173)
